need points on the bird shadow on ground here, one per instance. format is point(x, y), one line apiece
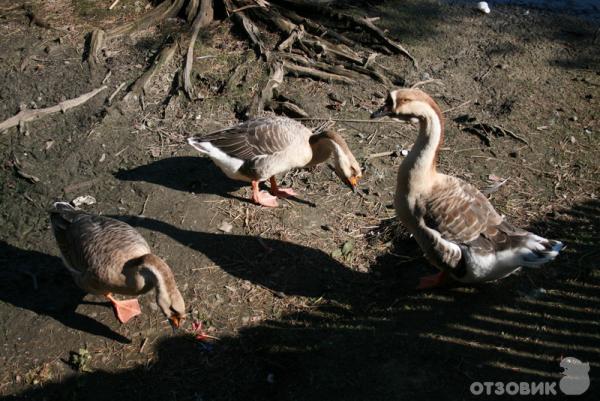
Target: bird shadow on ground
point(395, 345)
point(283, 267)
point(186, 174)
point(190, 174)
point(39, 282)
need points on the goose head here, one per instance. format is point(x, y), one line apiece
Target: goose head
point(168, 297)
point(345, 165)
point(406, 104)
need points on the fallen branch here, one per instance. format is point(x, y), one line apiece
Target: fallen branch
point(351, 120)
point(112, 96)
point(114, 4)
point(30, 115)
point(427, 81)
point(382, 154)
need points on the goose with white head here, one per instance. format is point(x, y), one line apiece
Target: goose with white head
point(261, 148)
point(454, 223)
point(107, 256)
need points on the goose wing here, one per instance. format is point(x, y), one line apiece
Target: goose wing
point(459, 211)
point(455, 213)
point(90, 242)
point(257, 138)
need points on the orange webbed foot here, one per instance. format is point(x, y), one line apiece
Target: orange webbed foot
point(126, 309)
point(433, 281)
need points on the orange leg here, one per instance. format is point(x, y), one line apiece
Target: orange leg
point(280, 192)
point(125, 309)
point(262, 197)
point(433, 281)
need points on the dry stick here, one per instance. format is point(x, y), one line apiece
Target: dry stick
point(457, 107)
point(382, 154)
point(203, 18)
point(427, 81)
point(112, 96)
point(30, 115)
point(350, 120)
point(114, 4)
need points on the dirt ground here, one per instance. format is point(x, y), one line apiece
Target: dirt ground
point(314, 300)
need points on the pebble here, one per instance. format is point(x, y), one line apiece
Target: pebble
point(483, 7)
point(83, 200)
point(573, 140)
point(574, 118)
point(226, 227)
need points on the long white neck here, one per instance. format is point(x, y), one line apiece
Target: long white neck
point(420, 164)
point(323, 148)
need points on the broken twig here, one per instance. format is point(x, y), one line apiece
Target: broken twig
point(30, 115)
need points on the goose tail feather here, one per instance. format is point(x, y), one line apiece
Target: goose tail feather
point(538, 251)
point(203, 147)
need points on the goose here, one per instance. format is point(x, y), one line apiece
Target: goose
point(107, 256)
point(258, 149)
point(456, 226)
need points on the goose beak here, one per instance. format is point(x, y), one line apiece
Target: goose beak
point(353, 182)
point(381, 112)
point(175, 321)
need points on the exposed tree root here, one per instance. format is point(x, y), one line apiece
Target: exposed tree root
point(140, 86)
point(29, 115)
point(265, 96)
point(351, 21)
point(203, 18)
point(301, 71)
point(307, 48)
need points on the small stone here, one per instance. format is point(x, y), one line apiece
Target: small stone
point(404, 152)
point(226, 227)
point(83, 200)
point(573, 140)
point(483, 7)
point(574, 118)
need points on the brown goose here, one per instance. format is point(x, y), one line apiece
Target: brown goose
point(107, 256)
point(454, 224)
point(258, 149)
